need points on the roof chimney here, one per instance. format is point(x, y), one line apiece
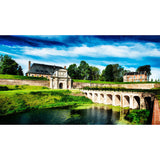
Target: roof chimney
point(64, 67)
point(29, 65)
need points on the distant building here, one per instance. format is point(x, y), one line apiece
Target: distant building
point(58, 76)
point(135, 77)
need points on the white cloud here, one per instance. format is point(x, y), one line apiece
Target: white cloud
point(132, 50)
point(155, 73)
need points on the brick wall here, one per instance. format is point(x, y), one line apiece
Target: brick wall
point(134, 86)
point(24, 82)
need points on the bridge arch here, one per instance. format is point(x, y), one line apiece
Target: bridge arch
point(109, 99)
point(101, 98)
point(117, 100)
point(90, 95)
point(95, 97)
point(136, 102)
point(148, 102)
point(126, 101)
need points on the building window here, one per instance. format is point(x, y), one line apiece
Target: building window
point(140, 77)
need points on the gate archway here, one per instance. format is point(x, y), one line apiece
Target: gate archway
point(60, 85)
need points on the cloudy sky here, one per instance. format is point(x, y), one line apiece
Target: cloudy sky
point(128, 51)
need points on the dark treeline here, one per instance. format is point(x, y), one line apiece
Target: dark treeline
point(9, 66)
point(112, 72)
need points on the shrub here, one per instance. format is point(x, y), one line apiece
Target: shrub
point(138, 116)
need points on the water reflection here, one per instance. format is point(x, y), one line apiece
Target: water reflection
point(64, 116)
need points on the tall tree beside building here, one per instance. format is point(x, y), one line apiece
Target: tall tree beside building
point(112, 72)
point(94, 73)
point(84, 70)
point(107, 74)
point(146, 68)
point(73, 71)
point(9, 66)
point(117, 73)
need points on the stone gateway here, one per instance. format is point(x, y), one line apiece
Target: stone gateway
point(58, 76)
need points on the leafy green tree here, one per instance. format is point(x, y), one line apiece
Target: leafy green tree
point(117, 73)
point(146, 68)
point(102, 76)
point(94, 73)
point(73, 71)
point(19, 70)
point(107, 73)
point(9, 66)
point(84, 70)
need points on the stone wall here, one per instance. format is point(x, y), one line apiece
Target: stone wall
point(133, 86)
point(24, 82)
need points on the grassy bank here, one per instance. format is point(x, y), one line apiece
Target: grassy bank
point(106, 82)
point(7, 76)
point(21, 87)
point(24, 100)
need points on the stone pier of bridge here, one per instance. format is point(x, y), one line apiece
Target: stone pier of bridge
point(134, 100)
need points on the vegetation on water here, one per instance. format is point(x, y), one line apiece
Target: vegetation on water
point(24, 100)
point(138, 116)
point(8, 76)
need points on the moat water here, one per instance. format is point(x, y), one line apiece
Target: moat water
point(64, 116)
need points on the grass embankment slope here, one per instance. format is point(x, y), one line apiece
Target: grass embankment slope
point(8, 76)
point(25, 98)
point(106, 82)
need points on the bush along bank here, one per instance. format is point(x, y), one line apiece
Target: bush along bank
point(138, 116)
point(20, 101)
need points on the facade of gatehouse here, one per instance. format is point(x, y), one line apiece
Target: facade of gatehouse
point(58, 76)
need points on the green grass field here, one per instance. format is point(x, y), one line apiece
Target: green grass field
point(25, 98)
point(21, 87)
point(7, 76)
point(106, 82)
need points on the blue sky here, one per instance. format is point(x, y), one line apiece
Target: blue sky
point(128, 51)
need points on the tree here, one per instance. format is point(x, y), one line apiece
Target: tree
point(107, 73)
point(94, 73)
point(146, 68)
point(19, 71)
point(84, 70)
point(102, 76)
point(73, 71)
point(9, 66)
point(117, 73)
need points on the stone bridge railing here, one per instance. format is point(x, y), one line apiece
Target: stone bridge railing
point(134, 100)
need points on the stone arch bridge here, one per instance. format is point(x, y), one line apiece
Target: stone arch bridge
point(134, 100)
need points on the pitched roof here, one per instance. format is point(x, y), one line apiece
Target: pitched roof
point(43, 69)
point(135, 73)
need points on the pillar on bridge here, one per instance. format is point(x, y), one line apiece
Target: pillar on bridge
point(105, 98)
point(142, 103)
point(99, 98)
point(93, 96)
point(113, 100)
point(131, 101)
